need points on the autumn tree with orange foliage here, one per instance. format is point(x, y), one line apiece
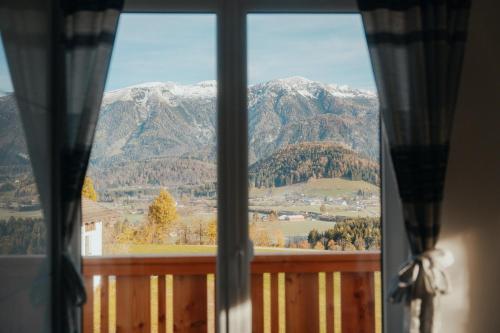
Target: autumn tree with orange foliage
point(88, 190)
point(162, 214)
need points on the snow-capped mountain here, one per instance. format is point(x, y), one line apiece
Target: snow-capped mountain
point(156, 119)
point(165, 120)
point(295, 110)
point(168, 119)
point(309, 88)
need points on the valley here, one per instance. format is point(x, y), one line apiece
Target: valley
point(313, 153)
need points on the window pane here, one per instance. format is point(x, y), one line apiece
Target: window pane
point(22, 230)
point(151, 182)
point(313, 134)
point(25, 291)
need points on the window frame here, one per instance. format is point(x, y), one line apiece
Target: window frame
point(234, 250)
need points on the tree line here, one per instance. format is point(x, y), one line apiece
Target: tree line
point(361, 233)
point(153, 172)
point(22, 236)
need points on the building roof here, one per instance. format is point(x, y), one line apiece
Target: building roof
point(93, 212)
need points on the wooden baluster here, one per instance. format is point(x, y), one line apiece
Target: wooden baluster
point(302, 303)
point(358, 304)
point(104, 304)
point(162, 304)
point(211, 307)
point(190, 303)
point(88, 308)
point(275, 310)
point(257, 303)
point(329, 294)
point(133, 306)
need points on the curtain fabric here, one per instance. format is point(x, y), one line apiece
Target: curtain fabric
point(89, 32)
point(87, 36)
point(416, 48)
point(25, 281)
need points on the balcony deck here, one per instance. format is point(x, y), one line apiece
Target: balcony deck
point(331, 292)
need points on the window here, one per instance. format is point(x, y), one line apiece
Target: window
point(151, 181)
point(313, 143)
point(185, 129)
point(22, 230)
point(307, 146)
point(313, 134)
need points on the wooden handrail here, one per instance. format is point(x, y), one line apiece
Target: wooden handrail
point(366, 261)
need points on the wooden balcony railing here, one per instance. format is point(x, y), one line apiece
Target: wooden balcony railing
point(338, 292)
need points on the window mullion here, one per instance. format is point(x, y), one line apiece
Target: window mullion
point(234, 250)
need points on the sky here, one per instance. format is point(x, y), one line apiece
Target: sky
point(182, 48)
point(5, 84)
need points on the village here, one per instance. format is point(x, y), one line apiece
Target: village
point(290, 212)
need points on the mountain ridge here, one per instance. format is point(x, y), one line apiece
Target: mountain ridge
point(169, 121)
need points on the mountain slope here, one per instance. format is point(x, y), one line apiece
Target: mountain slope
point(166, 119)
point(298, 163)
point(295, 110)
point(158, 119)
point(13, 150)
point(157, 126)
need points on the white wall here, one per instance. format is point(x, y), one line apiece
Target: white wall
point(471, 211)
point(91, 240)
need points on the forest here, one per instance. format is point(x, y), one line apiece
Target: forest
point(362, 233)
point(301, 162)
point(22, 236)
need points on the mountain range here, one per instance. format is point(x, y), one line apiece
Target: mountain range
point(146, 129)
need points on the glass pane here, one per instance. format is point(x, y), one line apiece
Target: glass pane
point(314, 183)
point(313, 134)
point(151, 182)
point(22, 230)
point(24, 277)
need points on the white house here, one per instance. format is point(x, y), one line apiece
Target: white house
point(291, 217)
point(92, 239)
point(94, 216)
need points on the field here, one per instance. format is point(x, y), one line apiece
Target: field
point(7, 213)
point(317, 188)
point(336, 196)
point(161, 249)
point(327, 196)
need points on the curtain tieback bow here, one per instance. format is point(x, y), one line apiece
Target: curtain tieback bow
point(421, 276)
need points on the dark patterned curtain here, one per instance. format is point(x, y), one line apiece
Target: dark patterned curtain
point(63, 129)
point(416, 48)
point(89, 32)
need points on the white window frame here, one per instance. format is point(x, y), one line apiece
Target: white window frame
point(234, 249)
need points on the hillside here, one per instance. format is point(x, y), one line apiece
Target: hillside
point(13, 150)
point(154, 172)
point(301, 162)
point(294, 110)
point(163, 133)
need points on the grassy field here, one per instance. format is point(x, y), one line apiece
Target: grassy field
point(278, 198)
point(157, 249)
point(169, 250)
point(333, 187)
point(7, 213)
